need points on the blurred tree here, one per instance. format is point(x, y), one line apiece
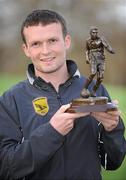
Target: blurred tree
point(109, 16)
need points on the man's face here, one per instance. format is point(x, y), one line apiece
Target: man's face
point(46, 47)
point(94, 34)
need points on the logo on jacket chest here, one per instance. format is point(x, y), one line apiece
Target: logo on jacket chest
point(41, 106)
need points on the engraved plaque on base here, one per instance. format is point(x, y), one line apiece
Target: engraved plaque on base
point(91, 104)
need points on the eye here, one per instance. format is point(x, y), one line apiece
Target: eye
point(53, 40)
point(35, 44)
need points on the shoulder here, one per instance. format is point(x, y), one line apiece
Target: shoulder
point(102, 38)
point(12, 91)
point(19, 86)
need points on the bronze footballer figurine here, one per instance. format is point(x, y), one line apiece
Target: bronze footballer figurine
point(95, 57)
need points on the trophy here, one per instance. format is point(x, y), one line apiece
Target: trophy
point(95, 57)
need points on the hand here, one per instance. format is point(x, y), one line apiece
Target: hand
point(108, 119)
point(112, 51)
point(87, 58)
point(87, 62)
point(63, 122)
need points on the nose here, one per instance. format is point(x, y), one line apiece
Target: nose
point(45, 49)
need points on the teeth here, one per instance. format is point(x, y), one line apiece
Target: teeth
point(46, 59)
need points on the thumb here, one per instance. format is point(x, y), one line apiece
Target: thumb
point(63, 108)
point(115, 101)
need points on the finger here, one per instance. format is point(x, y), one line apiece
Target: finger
point(77, 115)
point(115, 101)
point(110, 126)
point(114, 113)
point(107, 118)
point(108, 114)
point(73, 116)
point(81, 114)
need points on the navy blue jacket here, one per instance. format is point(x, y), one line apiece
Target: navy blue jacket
point(31, 148)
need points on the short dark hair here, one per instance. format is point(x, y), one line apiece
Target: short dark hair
point(93, 28)
point(43, 17)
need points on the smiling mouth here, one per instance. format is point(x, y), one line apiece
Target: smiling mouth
point(47, 59)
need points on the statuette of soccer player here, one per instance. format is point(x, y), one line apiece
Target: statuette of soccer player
point(95, 57)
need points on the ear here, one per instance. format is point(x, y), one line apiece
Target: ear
point(67, 41)
point(25, 49)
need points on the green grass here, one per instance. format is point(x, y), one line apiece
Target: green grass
point(119, 93)
point(116, 92)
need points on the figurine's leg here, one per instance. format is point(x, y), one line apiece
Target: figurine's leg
point(93, 67)
point(85, 92)
point(100, 73)
point(89, 80)
point(96, 86)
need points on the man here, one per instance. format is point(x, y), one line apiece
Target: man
point(38, 139)
point(95, 46)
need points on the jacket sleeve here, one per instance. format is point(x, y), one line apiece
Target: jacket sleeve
point(19, 157)
point(112, 145)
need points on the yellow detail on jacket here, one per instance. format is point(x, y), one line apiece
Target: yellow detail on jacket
point(41, 105)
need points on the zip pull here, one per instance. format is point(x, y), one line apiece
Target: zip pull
point(59, 99)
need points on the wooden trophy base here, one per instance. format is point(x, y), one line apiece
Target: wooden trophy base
point(91, 104)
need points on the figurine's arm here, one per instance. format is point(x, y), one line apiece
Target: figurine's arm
point(107, 46)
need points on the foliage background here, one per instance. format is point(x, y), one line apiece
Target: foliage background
point(108, 15)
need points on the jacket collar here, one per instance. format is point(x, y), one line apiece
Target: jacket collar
point(72, 69)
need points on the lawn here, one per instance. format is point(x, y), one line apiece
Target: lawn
point(119, 93)
point(6, 81)
point(116, 92)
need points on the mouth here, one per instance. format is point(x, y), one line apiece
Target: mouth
point(48, 59)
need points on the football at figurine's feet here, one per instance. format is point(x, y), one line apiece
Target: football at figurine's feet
point(92, 94)
point(85, 93)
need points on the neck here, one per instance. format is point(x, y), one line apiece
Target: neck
point(56, 78)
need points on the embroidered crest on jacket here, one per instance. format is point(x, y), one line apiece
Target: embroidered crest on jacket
point(41, 105)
